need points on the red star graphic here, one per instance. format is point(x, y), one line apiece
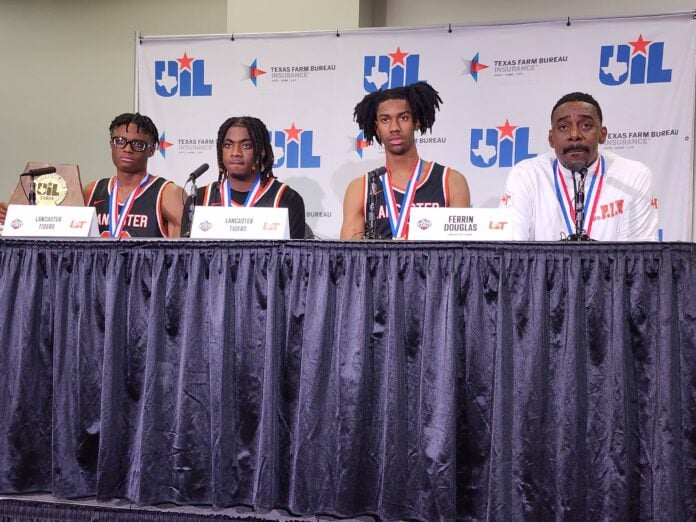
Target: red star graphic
point(398, 57)
point(255, 73)
point(293, 133)
point(477, 66)
point(185, 62)
point(640, 45)
point(164, 144)
point(506, 130)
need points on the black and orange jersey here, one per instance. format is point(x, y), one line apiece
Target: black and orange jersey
point(431, 191)
point(145, 217)
point(274, 194)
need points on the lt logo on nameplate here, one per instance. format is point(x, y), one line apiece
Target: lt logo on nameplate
point(240, 223)
point(460, 224)
point(50, 221)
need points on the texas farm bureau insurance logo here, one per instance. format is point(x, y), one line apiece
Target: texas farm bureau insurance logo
point(164, 145)
point(502, 146)
point(183, 76)
point(510, 66)
point(474, 66)
point(360, 144)
point(637, 62)
point(635, 138)
point(285, 72)
point(293, 148)
point(390, 70)
point(186, 145)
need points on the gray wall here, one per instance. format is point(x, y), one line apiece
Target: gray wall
point(68, 69)
point(277, 16)
point(403, 13)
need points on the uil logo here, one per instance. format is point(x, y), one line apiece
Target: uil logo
point(396, 69)
point(184, 76)
point(51, 189)
point(292, 148)
point(505, 146)
point(637, 62)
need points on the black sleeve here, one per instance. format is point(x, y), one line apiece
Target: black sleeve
point(200, 194)
point(296, 212)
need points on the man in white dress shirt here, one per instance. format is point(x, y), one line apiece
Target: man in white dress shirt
point(619, 203)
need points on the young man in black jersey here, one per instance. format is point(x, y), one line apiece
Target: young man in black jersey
point(133, 203)
point(245, 164)
point(392, 117)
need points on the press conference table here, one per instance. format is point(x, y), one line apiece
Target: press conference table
point(429, 381)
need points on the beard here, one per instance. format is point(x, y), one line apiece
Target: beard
point(576, 164)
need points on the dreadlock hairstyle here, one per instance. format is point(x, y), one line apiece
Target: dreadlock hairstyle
point(260, 141)
point(143, 123)
point(578, 97)
point(423, 99)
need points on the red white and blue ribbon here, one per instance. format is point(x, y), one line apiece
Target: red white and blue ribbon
point(117, 220)
point(566, 200)
point(399, 220)
point(252, 196)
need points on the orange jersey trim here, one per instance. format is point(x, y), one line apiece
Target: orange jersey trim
point(281, 190)
point(163, 225)
point(445, 186)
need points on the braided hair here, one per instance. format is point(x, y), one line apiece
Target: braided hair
point(422, 98)
point(260, 141)
point(143, 124)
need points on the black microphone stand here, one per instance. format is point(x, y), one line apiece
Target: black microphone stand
point(189, 208)
point(33, 173)
point(31, 198)
point(190, 205)
point(371, 221)
point(579, 192)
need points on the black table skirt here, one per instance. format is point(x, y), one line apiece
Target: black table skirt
point(428, 381)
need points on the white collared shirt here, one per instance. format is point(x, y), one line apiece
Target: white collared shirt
point(626, 208)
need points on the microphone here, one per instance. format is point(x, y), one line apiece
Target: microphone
point(33, 174)
point(579, 190)
point(372, 191)
point(197, 173)
point(39, 172)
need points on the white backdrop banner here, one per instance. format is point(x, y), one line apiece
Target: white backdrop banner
point(498, 84)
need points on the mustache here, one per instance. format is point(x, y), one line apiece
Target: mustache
point(576, 148)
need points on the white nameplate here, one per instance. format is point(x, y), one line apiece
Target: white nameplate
point(50, 221)
point(240, 223)
point(460, 224)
